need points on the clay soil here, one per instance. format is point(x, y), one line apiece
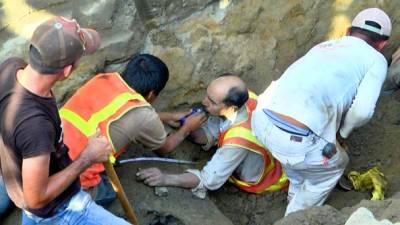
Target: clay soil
point(375, 144)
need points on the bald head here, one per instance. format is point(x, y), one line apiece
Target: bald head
point(231, 89)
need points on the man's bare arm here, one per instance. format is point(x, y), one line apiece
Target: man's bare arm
point(172, 118)
point(154, 177)
point(192, 123)
point(39, 188)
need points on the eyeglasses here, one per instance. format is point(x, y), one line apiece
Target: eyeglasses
point(212, 100)
point(79, 31)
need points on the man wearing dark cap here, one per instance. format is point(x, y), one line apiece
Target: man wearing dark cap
point(305, 115)
point(39, 176)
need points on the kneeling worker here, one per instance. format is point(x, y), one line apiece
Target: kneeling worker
point(239, 158)
point(120, 106)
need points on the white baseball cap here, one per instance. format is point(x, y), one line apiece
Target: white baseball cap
point(374, 20)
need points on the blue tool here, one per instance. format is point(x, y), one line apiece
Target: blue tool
point(194, 110)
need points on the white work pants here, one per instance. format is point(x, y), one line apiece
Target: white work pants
point(311, 178)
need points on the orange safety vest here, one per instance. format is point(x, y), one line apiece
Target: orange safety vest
point(273, 177)
point(102, 100)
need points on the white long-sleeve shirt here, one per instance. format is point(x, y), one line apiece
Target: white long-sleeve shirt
point(334, 86)
point(227, 160)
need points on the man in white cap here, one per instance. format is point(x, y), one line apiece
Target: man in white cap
point(304, 116)
point(39, 176)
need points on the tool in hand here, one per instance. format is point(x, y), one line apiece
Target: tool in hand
point(194, 110)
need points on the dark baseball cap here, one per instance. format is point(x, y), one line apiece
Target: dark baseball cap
point(59, 42)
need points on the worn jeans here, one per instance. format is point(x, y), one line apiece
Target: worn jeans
point(80, 210)
point(311, 177)
point(5, 201)
point(103, 193)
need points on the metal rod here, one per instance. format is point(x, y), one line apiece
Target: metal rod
point(140, 159)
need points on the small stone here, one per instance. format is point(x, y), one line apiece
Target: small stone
point(161, 191)
point(356, 152)
point(244, 219)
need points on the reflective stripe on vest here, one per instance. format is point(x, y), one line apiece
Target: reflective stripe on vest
point(102, 100)
point(273, 178)
point(88, 128)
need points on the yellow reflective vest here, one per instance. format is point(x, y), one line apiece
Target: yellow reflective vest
point(103, 99)
point(273, 177)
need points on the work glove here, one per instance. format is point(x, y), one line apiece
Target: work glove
point(372, 179)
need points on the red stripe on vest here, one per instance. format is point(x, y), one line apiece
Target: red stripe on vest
point(268, 178)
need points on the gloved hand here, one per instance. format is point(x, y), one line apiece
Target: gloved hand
point(372, 179)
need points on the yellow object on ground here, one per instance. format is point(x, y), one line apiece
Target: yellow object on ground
point(372, 179)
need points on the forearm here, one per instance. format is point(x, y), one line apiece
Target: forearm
point(352, 121)
point(363, 105)
point(62, 180)
point(165, 116)
point(173, 140)
point(39, 191)
point(185, 180)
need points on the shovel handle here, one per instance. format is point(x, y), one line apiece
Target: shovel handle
point(116, 184)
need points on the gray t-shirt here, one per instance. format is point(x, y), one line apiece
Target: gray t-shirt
point(140, 125)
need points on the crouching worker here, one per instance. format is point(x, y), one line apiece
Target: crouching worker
point(239, 158)
point(120, 106)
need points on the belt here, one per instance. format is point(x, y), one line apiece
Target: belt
point(285, 125)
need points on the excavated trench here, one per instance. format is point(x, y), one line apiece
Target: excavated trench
point(375, 144)
point(194, 38)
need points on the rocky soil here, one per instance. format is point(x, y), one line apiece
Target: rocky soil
point(257, 39)
point(376, 144)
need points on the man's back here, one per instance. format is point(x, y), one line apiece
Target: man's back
point(320, 86)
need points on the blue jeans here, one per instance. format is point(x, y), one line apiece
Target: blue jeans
point(103, 194)
point(80, 210)
point(4, 199)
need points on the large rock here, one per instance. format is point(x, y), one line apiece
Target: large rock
point(363, 216)
point(325, 215)
point(387, 209)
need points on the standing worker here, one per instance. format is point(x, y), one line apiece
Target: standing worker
point(304, 117)
point(39, 175)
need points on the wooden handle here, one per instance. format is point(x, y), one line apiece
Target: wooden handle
point(129, 212)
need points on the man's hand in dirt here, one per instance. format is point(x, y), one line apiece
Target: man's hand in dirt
point(97, 149)
point(151, 176)
point(195, 121)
